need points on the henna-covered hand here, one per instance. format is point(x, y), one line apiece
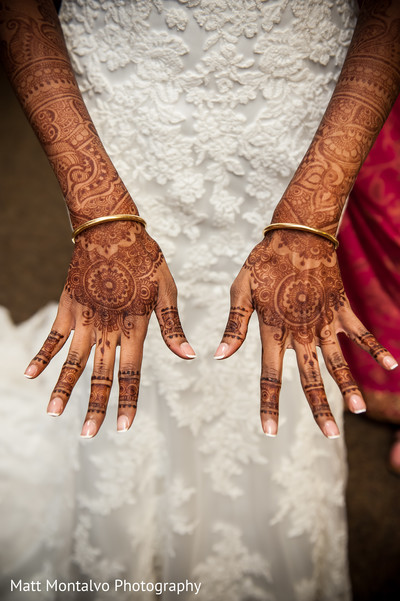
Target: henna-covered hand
point(292, 280)
point(117, 277)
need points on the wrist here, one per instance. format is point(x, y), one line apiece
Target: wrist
point(316, 208)
point(304, 229)
point(110, 198)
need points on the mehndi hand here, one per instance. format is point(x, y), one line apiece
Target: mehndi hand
point(292, 280)
point(117, 277)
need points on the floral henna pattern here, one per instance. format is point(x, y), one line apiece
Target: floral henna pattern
point(298, 301)
point(129, 381)
point(115, 287)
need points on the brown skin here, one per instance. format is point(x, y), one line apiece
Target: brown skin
point(118, 274)
point(292, 279)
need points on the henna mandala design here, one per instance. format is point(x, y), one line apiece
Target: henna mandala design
point(109, 285)
point(287, 293)
point(299, 301)
point(115, 288)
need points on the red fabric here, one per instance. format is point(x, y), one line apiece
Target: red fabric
point(369, 256)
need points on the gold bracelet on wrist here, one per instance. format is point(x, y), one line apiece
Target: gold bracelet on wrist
point(302, 228)
point(107, 218)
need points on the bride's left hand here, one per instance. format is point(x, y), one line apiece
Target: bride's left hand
point(292, 280)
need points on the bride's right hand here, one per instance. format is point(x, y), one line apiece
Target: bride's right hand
point(117, 277)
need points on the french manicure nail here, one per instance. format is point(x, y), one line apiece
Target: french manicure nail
point(390, 362)
point(89, 429)
point(221, 350)
point(31, 371)
point(187, 349)
point(122, 423)
point(55, 407)
point(270, 428)
point(357, 404)
point(331, 430)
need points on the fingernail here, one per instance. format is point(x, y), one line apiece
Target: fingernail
point(221, 350)
point(331, 430)
point(270, 428)
point(55, 407)
point(187, 349)
point(390, 362)
point(31, 371)
point(357, 404)
point(122, 423)
point(89, 429)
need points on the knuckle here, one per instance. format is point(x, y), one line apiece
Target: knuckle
point(235, 289)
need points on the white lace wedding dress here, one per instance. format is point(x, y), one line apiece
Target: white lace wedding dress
point(206, 107)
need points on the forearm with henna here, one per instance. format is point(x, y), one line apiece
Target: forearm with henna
point(118, 274)
point(36, 60)
point(292, 278)
point(366, 90)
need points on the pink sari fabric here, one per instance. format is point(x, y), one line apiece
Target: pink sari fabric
point(369, 256)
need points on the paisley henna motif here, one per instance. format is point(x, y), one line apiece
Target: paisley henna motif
point(37, 62)
point(367, 88)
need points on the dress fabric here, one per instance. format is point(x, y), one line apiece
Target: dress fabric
point(206, 108)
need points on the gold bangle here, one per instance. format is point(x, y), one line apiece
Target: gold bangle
point(302, 228)
point(92, 222)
